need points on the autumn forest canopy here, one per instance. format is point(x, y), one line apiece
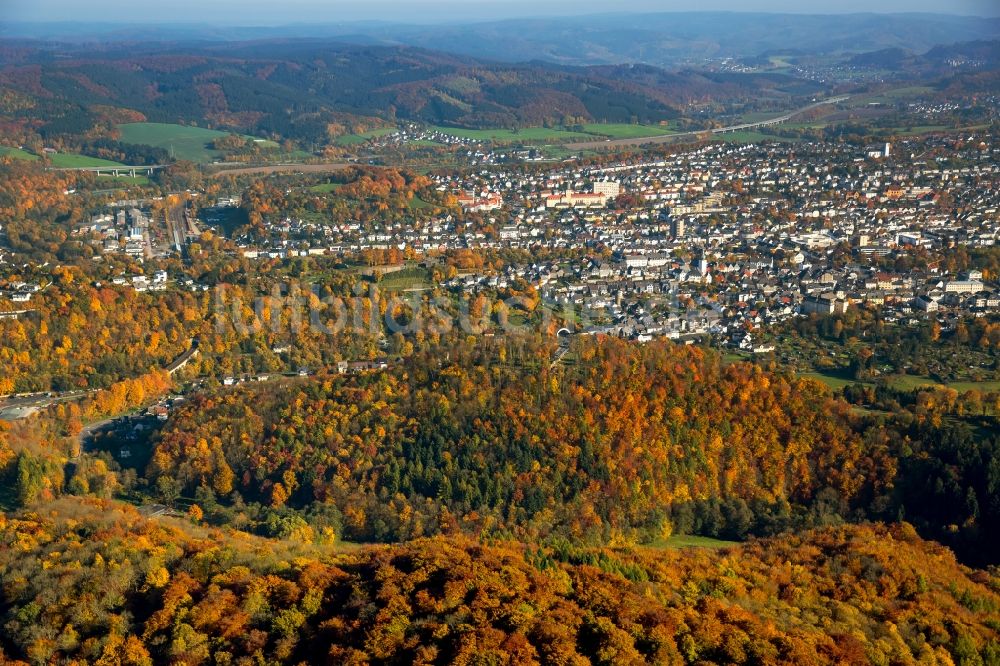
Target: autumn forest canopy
point(94, 581)
point(367, 358)
point(523, 510)
point(454, 497)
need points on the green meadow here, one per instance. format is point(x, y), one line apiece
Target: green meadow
point(16, 153)
point(185, 142)
point(355, 139)
point(71, 161)
point(837, 381)
point(59, 160)
point(512, 136)
point(625, 130)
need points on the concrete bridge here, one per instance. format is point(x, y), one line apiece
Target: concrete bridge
point(671, 138)
point(122, 170)
point(780, 119)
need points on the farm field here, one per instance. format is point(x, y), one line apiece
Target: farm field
point(504, 135)
point(16, 153)
point(625, 130)
point(354, 139)
point(889, 96)
point(416, 203)
point(837, 381)
point(71, 161)
point(59, 160)
point(186, 143)
point(407, 279)
point(325, 188)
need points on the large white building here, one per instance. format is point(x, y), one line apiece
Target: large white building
point(963, 287)
point(576, 200)
point(609, 188)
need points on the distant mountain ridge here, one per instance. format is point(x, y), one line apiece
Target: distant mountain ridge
point(294, 88)
point(665, 39)
point(942, 58)
point(571, 71)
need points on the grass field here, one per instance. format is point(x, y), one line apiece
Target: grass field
point(17, 153)
point(889, 96)
point(186, 143)
point(759, 116)
point(626, 131)
point(325, 188)
point(125, 181)
point(920, 129)
point(71, 161)
point(412, 277)
point(354, 139)
point(416, 203)
point(837, 381)
point(816, 124)
point(909, 382)
point(59, 160)
point(908, 91)
point(512, 136)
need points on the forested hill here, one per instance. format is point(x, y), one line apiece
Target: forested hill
point(488, 442)
point(294, 90)
point(630, 443)
point(90, 581)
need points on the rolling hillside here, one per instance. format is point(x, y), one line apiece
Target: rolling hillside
point(296, 89)
point(668, 39)
point(96, 582)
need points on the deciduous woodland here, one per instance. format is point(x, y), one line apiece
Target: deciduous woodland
point(484, 439)
point(389, 394)
point(88, 580)
point(516, 504)
point(629, 444)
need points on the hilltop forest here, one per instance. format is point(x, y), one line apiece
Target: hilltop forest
point(95, 582)
point(523, 510)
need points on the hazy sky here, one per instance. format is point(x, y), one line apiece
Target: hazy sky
point(281, 12)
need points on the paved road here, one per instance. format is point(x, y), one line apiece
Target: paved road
point(23, 406)
point(561, 351)
point(88, 432)
point(667, 138)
